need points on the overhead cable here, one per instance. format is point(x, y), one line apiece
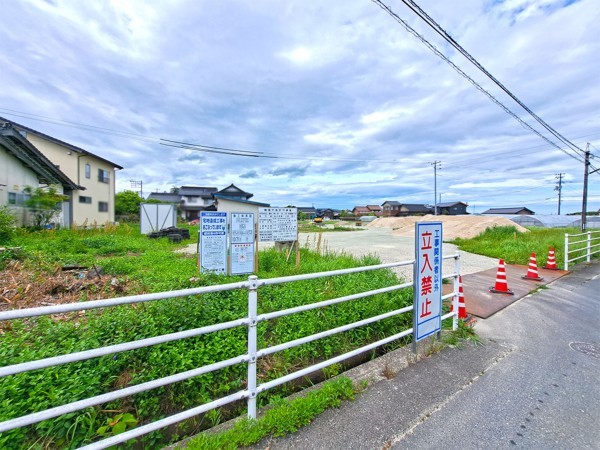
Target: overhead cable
point(435, 50)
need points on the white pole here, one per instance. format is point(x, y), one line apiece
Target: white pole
point(589, 246)
point(566, 251)
point(456, 287)
point(252, 344)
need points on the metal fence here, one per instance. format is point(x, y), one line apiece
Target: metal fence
point(252, 285)
point(583, 246)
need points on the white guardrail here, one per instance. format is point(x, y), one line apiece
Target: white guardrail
point(585, 245)
point(250, 358)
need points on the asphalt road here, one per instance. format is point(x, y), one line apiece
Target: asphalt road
point(526, 387)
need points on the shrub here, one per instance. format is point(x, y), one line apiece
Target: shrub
point(7, 225)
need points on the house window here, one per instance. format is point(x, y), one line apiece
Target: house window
point(103, 175)
point(15, 198)
point(103, 206)
point(84, 199)
point(88, 170)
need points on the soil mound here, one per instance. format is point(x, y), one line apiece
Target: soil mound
point(465, 227)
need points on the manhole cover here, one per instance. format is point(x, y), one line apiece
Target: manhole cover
point(586, 348)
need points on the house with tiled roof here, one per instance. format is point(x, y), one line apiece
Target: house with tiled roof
point(87, 179)
point(514, 211)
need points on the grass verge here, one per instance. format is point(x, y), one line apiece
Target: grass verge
point(285, 416)
point(516, 247)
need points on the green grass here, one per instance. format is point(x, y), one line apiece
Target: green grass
point(152, 266)
point(515, 247)
point(308, 226)
point(285, 416)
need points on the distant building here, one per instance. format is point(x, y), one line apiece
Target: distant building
point(309, 211)
point(194, 199)
point(367, 210)
point(518, 210)
point(392, 208)
point(452, 208)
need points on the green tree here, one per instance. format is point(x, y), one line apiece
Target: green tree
point(127, 202)
point(44, 203)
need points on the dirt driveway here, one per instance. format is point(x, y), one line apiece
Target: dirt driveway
point(390, 247)
point(385, 244)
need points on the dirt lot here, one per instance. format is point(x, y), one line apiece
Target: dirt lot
point(465, 227)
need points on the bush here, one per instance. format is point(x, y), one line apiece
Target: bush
point(7, 225)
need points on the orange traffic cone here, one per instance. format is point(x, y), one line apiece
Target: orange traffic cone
point(532, 272)
point(551, 263)
point(501, 286)
point(462, 310)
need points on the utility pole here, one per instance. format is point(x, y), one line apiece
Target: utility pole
point(559, 177)
point(136, 183)
point(585, 187)
point(437, 165)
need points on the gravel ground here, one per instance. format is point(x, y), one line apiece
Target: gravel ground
point(383, 243)
point(392, 248)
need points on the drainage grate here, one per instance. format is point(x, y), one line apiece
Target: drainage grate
point(586, 348)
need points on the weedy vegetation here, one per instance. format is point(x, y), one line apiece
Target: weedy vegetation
point(516, 247)
point(285, 416)
point(143, 265)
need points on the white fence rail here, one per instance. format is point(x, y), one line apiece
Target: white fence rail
point(581, 246)
point(253, 284)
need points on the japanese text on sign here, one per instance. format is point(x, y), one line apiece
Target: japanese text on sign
point(213, 242)
point(277, 224)
point(242, 246)
point(242, 228)
point(428, 279)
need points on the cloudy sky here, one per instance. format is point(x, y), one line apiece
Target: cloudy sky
point(341, 104)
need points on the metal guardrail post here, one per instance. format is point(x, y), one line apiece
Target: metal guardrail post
point(566, 251)
point(589, 246)
point(456, 293)
point(252, 344)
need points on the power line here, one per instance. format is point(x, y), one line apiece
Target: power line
point(435, 50)
point(438, 29)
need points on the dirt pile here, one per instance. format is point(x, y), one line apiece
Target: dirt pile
point(23, 288)
point(465, 227)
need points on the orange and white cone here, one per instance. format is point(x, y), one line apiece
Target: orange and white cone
point(462, 308)
point(551, 262)
point(532, 272)
point(501, 286)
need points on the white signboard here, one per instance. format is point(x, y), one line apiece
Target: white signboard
point(242, 258)
point(242, 228)
point(428, 279)
point(277, 224)
point(242, 243)
point(213, 242)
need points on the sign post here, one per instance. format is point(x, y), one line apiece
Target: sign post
point(213, 242)
point(277, 224)
point(427, 314)
point(242, 243)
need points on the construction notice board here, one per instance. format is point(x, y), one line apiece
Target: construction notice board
point(213, 242)
point(427, 315)
point(277, 224)
point(242, 243)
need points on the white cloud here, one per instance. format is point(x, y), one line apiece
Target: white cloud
point(359, 106)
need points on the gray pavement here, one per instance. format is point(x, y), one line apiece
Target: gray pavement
point(391, 248)
point(526, 387)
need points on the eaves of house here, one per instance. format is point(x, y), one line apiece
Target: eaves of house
point(31, 157)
